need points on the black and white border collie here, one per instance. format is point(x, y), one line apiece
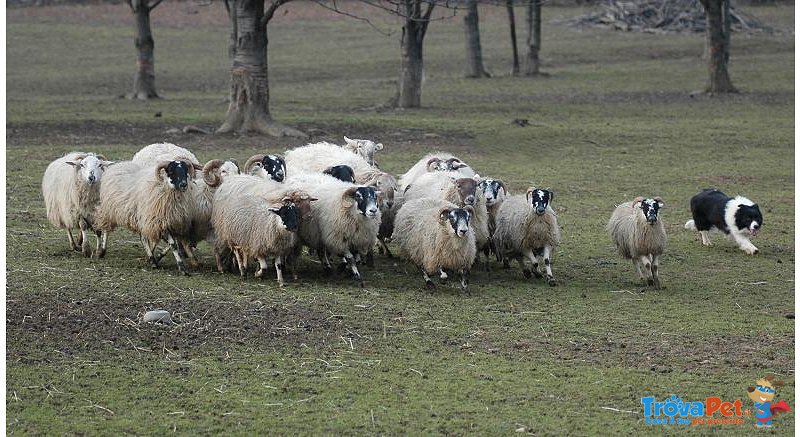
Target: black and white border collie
point(736, 216)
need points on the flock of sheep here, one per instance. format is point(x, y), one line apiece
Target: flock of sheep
point(332, 200)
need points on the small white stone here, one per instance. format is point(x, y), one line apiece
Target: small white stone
point(158, 316)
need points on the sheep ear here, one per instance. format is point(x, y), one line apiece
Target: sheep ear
point(73, 163)
point(379, 146)
point(660, 201)
point(105, 164)
point(275, 210)
point(638, 199)
point(552, 193)
point(529, 193)
point(349, 141)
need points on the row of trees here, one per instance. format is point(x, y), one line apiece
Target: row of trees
point(248, 110)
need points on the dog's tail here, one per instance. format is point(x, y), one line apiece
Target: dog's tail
point(690, 225)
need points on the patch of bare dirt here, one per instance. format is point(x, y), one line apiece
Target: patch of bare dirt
point(71, 322)
point(208, 146)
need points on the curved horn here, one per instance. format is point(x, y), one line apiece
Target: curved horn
point(101, 157)
point(161, 166)
point(638, 199)
point(443, 212)
point(501, 185)
point(659, 199)
point(210, 176)
point(431, 161)
point(470, 210)
point(529, 192)
point(248, 165)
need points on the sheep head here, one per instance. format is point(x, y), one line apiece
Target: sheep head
point(342, 172)
point(365, 199)
point(539, 198)
point(651, 208)
point(491, 190)
point(177, 173)
point(90, 167)
point(364, 148)
point(456, 220)
point(465, 188)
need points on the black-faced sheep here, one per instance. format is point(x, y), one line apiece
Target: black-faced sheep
point(157, 202)
point(435, 234)
point(344, 221)
point(638, 234)
point(71, 190)
point(342, 172)
point(494, 191)
point(271, 167)
point(253, 226)
point(461, 191)
point(527, 227)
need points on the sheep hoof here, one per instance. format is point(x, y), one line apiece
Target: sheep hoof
point(649, 282)
point(551, 281)
point(259, 272)
point(526, 273)
point(99, 254)
point(429, 284)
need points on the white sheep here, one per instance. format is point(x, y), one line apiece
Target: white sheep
point(157, 152)
point(462, 191)
point(344, 221)
point(157, 202)
point(435, 235)
point(364, 148)
point(254, 226)
point(528, 227)
point(437, 161)
point(71, 190)
point(638, 233)
point(214, 173)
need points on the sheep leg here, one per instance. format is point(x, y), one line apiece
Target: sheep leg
point(240, 261)
point(279, 270)
point(351, 261)
point(102, 239)
point(638, 269)
point(193, 260)
point(442, 275)
point(705, 238)
point(428, 282)
point(646, 263)
point(464, 280)
point(86, 249)
point(148, 250)
point(369, 260)
point(548, 265)
point(180, 256)
point(263, 265)
point(525, 270)
point(386, 248)
point(72, 243)
point(535, 261)
point(654, 269)
point(323, 258)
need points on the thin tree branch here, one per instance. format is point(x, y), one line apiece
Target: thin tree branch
point(269, 13)
point(153, 6)
point(130, 3)
point(336, 9)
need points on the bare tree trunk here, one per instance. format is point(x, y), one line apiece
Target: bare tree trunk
point(411, 72)
point(144, 82)
point(474, 62)
point(512, 25)
point(534, 22)
point(726, 29)
point(718, 80)
point(248, 110)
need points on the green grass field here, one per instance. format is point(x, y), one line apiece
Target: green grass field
point(614, 120)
